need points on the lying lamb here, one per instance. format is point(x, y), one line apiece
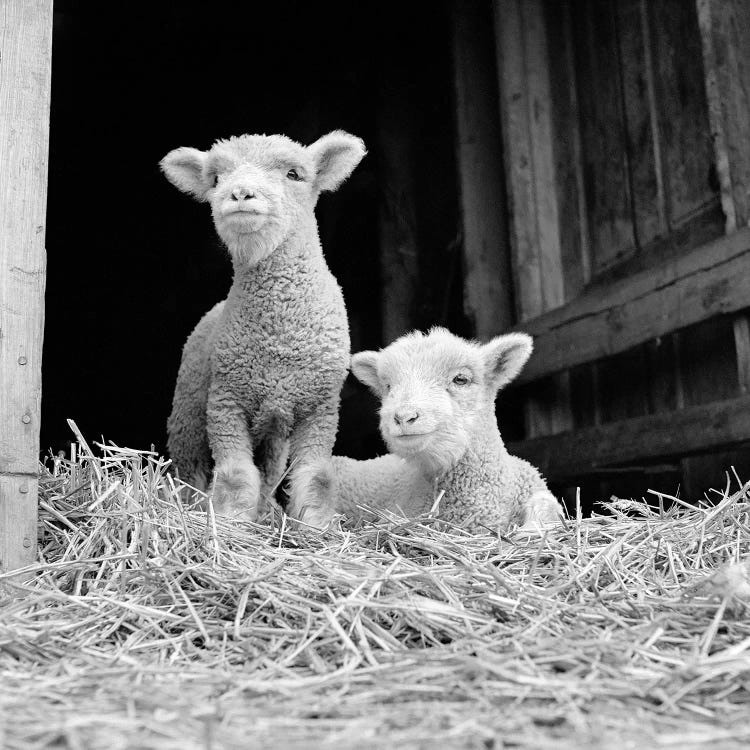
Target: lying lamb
point(261, 373)
point(438, 419)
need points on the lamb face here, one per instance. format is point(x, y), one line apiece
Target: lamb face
point(262, 187)
point(437, 389)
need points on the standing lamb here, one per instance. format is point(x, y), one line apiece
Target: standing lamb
point(261, 373)
point(438, 420)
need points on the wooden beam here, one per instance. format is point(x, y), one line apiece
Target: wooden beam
point(25, 49)
point(487, 273)
point(678, 433)
point(725, 35)
point(525, 105)
point(705, 281)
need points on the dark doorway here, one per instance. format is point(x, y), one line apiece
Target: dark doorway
point(132, 263)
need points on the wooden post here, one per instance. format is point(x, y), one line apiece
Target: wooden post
point(725, 34)
point(528, 131)
point(527, 127)
point(488, 286)
point(25, 51)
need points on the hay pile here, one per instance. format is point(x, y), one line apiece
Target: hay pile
point(145, 625)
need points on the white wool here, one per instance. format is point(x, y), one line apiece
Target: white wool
point(261, 373)
point(438, 416)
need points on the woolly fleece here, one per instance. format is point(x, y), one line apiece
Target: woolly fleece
point(261, 373)
point(438, 420)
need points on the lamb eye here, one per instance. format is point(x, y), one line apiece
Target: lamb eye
point(216, 180)
point(461, 380)
point(293, 174)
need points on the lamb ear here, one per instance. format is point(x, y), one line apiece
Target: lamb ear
point(335, 155)
point(364, 367)
point(183, 167)
point(505, 356)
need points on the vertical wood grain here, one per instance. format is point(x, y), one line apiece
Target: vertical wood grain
point(603, 133)
point(25, 49)
point(640, 123)
point(725, 34)
point(566, 147)
point(488, 284)
point(654, 109)
point(741, 328)
point(574, 128)
point(529, 138)
point(525, 104)
point(680, 95)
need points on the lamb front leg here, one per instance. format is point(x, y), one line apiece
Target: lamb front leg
point(311, 443)
point(541, 512)
point(237, 482)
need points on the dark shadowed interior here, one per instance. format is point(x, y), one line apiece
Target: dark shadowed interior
point(133, 263)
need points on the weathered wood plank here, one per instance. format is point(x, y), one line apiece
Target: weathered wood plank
point(652, 84)
point(741, 329)
point(663, 368)
point(725, 35)
point(642, 145)
point(531, 161)
point(525, 103)
point(623, 385)
point(705, 281)
point(584, 396)
point(603, 133)
point(488, 285)
point(690, 430)
point(708, 364)
point(683, 111)
point(568, 151)
point(708, 373)
point(25, 46)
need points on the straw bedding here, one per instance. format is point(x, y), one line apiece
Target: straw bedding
point(148, 625)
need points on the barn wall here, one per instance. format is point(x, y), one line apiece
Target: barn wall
point(623, 126)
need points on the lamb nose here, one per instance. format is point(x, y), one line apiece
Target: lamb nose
point(406, 416)
point(242, 193)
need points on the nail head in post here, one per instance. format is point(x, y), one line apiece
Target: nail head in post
point(27, 542)
point(24, 488)
point(26, 419)
point(22, 360)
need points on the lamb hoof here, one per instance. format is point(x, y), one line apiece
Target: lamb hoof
point(315, 517)
point(309, 495)
point(236, 491)
point(542, 513)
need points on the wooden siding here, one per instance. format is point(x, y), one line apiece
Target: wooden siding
point(647, 123)
point(705, 281)
point(24, 136)
point(654, 437)
point(488, 286)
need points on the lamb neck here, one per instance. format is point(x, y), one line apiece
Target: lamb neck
point(485, 449)
point(295, 259)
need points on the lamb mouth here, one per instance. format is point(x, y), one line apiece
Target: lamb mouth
point(411, 437)
point(249, 212)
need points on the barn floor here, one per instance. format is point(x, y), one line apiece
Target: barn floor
point(147, 626)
